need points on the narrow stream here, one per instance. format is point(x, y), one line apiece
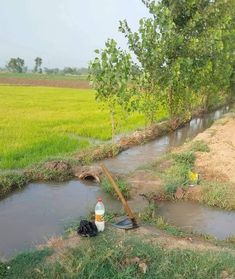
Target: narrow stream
point(197, 218)
point(133, 158)
point(40, 210)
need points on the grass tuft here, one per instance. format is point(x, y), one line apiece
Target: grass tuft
point(178, 174)
point(199, 146)
point(107, 187)
point(11, 181)
point(219, 194)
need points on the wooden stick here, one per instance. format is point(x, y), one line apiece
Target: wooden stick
point(119, 193)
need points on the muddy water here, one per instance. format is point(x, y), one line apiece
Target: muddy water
point(39, 211)
point(133, 158)
point(194, 217)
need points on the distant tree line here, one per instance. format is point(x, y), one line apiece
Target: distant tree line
point(17, 65)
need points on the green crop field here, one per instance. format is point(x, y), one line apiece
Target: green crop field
point(38, 122)
point(42, 76)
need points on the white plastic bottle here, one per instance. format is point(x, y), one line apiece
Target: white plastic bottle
point(99, 215)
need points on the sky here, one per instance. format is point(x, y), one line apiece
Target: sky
point(62, 32)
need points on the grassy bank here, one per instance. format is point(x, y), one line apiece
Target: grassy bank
point(174, 169)
point(114, 256)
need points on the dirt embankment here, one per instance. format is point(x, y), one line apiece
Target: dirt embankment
point(82, 84)
point(219, 163)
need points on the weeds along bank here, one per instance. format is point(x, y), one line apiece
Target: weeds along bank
point(211, 155)
point(113, 255)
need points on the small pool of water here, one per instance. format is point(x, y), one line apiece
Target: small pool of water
point(198, 218)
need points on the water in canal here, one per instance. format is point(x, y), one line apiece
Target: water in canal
point(41, 210)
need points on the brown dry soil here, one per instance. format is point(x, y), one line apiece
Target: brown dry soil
point(219, 163)
point(216, 165)
point(83, 84)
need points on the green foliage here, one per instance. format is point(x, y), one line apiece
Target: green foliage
point(109, 74)
point(178, 174)
point(107, 187)
point(23, 266)
point(51, 170)
point(107, 257)
point(185, 158)
point(38, 64)
point(149, 214)
point(3, 270)
point(46, 76)
point(15, 65)
point(199, 146)
point(218, 194)
point(11, 181)
point(185, 54)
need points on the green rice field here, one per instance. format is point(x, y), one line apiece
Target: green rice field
point(42, 76)
point(41, 122)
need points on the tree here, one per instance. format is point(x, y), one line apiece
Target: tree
point(15, 65)
point(181, 51)
point(38, 64)
point(109, 74)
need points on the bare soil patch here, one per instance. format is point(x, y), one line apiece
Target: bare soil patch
point(216, 165)
point(82, 84)
point(219, 163)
